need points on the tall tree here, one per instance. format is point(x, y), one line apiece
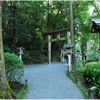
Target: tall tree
point(82, 23)
point(4, 86)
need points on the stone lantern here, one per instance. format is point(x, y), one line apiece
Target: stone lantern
point(20, 52)
point(68, 48)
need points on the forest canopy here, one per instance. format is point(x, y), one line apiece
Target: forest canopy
point(24, 23)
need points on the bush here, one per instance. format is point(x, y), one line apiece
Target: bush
point(55, 56)
point(14, 67)
point(92, 64)
point(33, 56)
point(6, 48)
point(93, 56)
point(27, 58)
point(92, 72)
point(92, 75)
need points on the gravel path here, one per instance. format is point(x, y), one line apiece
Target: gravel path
point(49, 81)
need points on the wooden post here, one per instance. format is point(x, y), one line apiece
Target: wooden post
point(72, 32)
point(49, 49)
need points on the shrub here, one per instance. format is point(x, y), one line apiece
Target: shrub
point(6, 48)
point(34, 57)
point(92, 72)
point(93, 56)
point(92, 75)
point(92, 64)
point(14, 67)
point(27, 58)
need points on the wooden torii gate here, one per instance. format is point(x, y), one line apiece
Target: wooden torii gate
point(71, 30)
point(58, 32)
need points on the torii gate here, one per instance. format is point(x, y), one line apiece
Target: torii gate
point(58, 32)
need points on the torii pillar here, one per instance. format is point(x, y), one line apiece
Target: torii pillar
point(49, 49)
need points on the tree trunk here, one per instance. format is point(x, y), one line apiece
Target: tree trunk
point(4, 86)
point(72, 33)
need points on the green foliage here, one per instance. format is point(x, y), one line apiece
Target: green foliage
point(20, 89)
point(8, 94)
point(34, 57)
point(79, 68)
point(23, 93)
point(83, 90)
point(77, 72)
point(14, 67)
point(92, 72)
point(92, 55)
point(55, 56)
point(2, 94)
point(20, 21)
point(96, 87)
point(6, 48)
point(83, 31)
point(93, 64)
point(24, 22)
point(92, 75)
